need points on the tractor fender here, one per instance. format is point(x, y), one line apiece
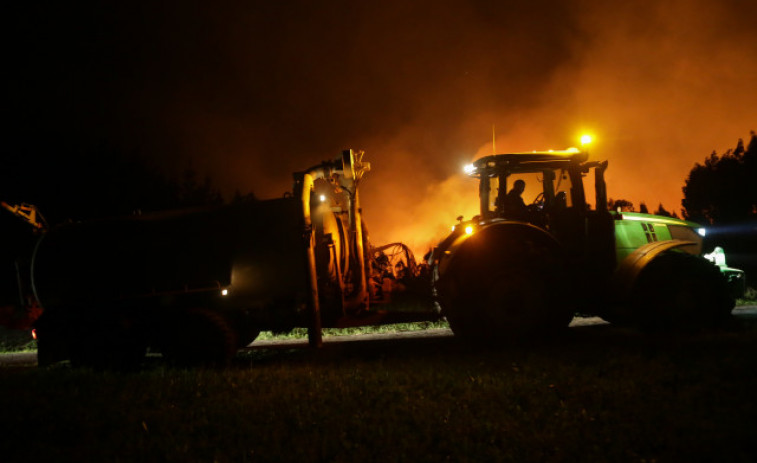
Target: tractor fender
point(497, 238)
point(630, 268)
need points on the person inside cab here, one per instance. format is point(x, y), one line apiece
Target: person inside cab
point(513, 206)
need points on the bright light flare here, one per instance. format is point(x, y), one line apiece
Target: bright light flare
point(702, 232)
point(469, 230)
point(469, 168)
point(322, 198)
point(224, 292)
point(586, 139)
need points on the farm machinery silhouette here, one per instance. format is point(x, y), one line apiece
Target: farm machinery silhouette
point(199, 284)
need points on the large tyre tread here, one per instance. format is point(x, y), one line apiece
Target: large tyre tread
point(681, 292)
point(507, 299)
point(199, 337)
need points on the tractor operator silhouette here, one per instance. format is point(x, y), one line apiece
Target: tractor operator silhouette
point(513, 206)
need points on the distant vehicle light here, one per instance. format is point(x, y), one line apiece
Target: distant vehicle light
point(702, 231)
point(469, 168)
point(34, 334)
point(224, 292)
point(469, 230)
point(322, 198)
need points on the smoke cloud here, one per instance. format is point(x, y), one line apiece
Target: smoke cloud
point(659, 86)
point(252, 92)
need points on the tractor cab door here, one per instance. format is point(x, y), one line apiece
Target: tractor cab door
point(567, 211)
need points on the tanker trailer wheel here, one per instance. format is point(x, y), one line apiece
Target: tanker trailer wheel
point(105, 340)
point(52, 338)
point(198, 337)
point(506, 301)
point(679, 291)
point(245, 328)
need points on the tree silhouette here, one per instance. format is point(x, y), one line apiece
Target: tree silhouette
point(98, 180)
point(722, 192)
point(664, 212)
point(620, 204)
point(724, 189)
point(192, 193)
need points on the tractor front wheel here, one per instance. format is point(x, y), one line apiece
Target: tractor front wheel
point(679, 291)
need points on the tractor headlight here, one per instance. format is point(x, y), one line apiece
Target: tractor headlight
point(469, 168)
point(702, 231)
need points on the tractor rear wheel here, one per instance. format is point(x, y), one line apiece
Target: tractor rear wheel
point(52, 338)
point(511, 303)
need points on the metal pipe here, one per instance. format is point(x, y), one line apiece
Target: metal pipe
point(600, 187)
point(304, 182)
point(361, 294)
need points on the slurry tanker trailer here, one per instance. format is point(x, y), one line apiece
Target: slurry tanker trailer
point(197, 285)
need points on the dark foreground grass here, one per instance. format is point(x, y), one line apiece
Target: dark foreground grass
point(596, 394)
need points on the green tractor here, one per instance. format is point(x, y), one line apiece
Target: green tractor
point(525, 267)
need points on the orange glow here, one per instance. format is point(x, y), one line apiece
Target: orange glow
point(662, 87)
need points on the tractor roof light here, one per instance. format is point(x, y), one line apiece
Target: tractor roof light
point(469, 168)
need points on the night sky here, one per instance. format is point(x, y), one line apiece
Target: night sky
point(249, 92)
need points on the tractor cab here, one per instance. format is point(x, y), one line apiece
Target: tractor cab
point(543, 248)
point(553, 183)
point(553, 198)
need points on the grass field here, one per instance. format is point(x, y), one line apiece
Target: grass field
point(20, 341)
point(597, 393)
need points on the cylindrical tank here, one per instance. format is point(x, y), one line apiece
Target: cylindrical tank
point(255, 250)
